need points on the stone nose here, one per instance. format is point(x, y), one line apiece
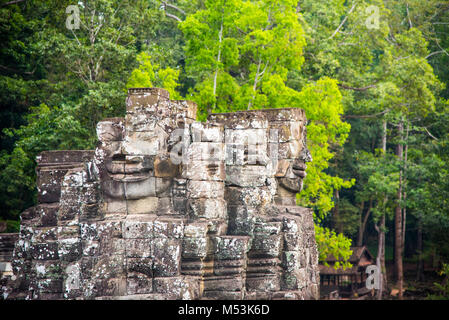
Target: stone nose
point(305, 155)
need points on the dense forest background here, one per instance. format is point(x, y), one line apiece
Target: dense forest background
point(372, 76)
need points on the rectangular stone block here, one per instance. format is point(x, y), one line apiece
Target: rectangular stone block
point(224, 295)
point(223, 283)
point(140, 189)
point(263, 283)
point(170, 228)
point(49, 285)
point(206, 208)
point(194, 248)
point(106, 266)
point(142, 266)
point(240, 120)
point(67, 157)
point(167, 254)
point(185, 288)
point(110, 287)
point(47, 215)
point(241, 220)
point(138, 248)
point(138, 283)
point(246, 176)
point(230, 247)
point(44, 234)
point(44, 251)
point(292, 241)
point(204, 171)
point(206, 132)
point(205, 189)
point(115, 206)
point(248, 196)
point(69, 249)
point(266, 245)
point(146, 205)
point(47, 269)
point(115, 245)
point(111, 129)
point(138, 229)
point(49, 182)
point(205, 151)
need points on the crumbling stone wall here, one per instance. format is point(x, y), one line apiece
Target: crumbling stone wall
point(170, 208)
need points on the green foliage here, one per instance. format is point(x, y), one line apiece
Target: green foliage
point(240, 52)
point(337, 245)
point(149, 75)
point(48, 128)
point(443, 288)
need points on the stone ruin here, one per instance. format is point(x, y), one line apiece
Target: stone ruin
point(170, 208)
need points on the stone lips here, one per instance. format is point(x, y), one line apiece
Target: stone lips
point(126, 221)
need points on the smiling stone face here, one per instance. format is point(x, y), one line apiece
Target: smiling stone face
point(134, 152)
point(293, 155)
point(291, 182)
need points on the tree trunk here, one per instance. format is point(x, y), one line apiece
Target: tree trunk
point(419, 246)
point(380, 261)
point(336, 213)
point(360, 233)
point(404, 197)
point(398, 217)
point(364, 223)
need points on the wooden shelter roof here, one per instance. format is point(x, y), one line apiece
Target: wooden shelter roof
point(361, 257)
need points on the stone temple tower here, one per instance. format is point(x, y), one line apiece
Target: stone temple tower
point(170, 208)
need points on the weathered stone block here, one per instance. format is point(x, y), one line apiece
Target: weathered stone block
point(140, 189)
point(264, 283)
point(112, 129)
point(167, 254)
point(138, 229)
point(49, 184)
point(44, 234)
point(206, 208)
point(177, 287)
point(241, 220)
point(47, 269)
point(69, 249)
point(204, 171)
point(140, 266)
point(194, 248)
point(230, 247)
point(205, 189)
point(138, 248)
point(44, 251)
point(49, 285)
point(266, 245)
point(246, 176)
point(170, 228)
point(138, 283)
point(143, 206)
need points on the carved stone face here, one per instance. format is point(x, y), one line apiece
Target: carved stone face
point(137, 162)
point(296, 172)
point(291, 172)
